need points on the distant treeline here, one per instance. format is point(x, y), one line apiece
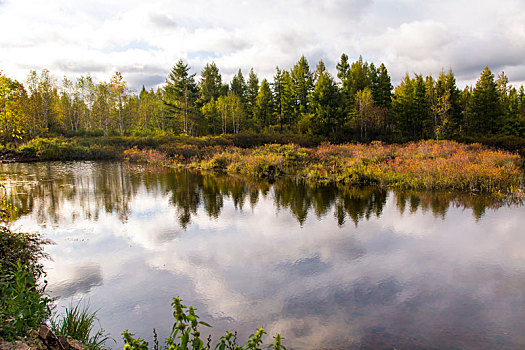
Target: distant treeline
point(359, 104)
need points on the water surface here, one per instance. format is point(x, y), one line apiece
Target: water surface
point(327, 267)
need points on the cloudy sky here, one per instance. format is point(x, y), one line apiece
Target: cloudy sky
point(144, 39)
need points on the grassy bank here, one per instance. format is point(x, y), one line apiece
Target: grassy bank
point(431, 165)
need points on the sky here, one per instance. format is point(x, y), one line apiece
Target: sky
point(145, 39)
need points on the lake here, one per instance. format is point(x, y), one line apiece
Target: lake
point(327, 267)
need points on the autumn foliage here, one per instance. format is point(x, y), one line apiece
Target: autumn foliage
point(435, 165)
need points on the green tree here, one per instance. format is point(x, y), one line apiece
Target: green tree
point(180, 97)
point(251, 93)
point(319, 70)
point(287, 100)
point(403, 107)
point(359, 76)
point(382, 89)
point(343, 73)
point(210, 84)
point(421, 112)
point(145, 110)
point(211, 115)
point(438, 98)
point(303, 82)
point(264, 106)
point(487, 114)
point(277, 86)
point(238, 86)
point(326, 105)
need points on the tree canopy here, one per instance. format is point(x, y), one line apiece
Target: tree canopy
point(359, 104)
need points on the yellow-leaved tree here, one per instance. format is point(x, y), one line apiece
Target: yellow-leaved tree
point(12, 111)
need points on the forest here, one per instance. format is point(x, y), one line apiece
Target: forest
point(360, 104)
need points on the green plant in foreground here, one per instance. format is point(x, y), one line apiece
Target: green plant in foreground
point(78, 323)
point(23, 304)
point(185, 335)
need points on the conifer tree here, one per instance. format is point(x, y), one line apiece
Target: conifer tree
point(264, 106)
point(382, 89)
point(238, 86)
point(487, 114)
point(210, 85)
point(180, 96)
point(343, 73)
point(326, 105)
point(303, 82)
point(251, 93)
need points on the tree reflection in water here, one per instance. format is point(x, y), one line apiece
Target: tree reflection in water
point(44, 188)
point(345, 267)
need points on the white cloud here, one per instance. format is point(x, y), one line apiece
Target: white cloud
point(145, 39)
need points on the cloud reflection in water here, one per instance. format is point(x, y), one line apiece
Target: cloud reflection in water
point(328, 267)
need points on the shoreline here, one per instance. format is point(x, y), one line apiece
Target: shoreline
point(423, 165)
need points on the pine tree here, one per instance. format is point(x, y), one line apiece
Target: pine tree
point(382, 89)
point(277, 87)
point(210, 85)
point(303, 85)
point(283, 91)
point(180, 96)
point(251, 93)
point(326, 106)
point(421, 116)
point(238, 86)
point(287, 100)
point(359, 76)
point(343, 73)
point(264, 106)
point(486, 105)
point(403, 107)
point(319, 70)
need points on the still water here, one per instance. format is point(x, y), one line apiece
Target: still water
point(327, 267)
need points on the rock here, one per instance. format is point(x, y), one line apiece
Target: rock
point(43, 339)
point(17, 345)
point(46, 334)
point(75, 344)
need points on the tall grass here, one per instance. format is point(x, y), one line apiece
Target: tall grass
point(432, 165)
point(78, 322)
